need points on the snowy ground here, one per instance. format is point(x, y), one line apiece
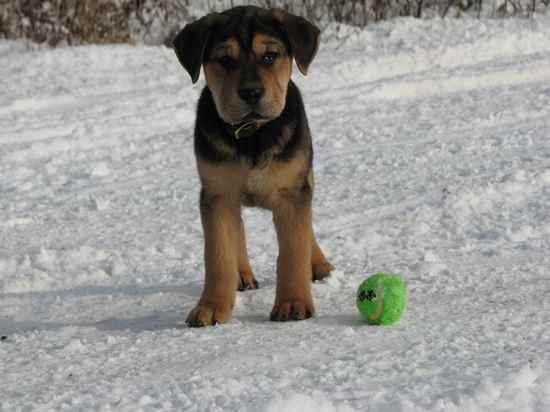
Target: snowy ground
point(432, 143)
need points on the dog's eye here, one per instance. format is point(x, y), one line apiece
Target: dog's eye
point(269, 58)
point(227, 62)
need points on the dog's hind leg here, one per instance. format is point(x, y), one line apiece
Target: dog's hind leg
point(246, 277)
point(320, 266)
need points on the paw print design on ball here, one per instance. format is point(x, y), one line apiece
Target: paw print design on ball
point(381, 299)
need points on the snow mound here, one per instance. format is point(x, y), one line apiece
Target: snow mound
point(432, 160)
point(298, 402)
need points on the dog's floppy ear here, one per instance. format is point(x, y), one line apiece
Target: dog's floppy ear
point(190, 43)
point(303, 37)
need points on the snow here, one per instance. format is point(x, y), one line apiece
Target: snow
point(432, 145)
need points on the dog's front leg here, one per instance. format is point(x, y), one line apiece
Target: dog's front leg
point(292, 218)
point(220, 215)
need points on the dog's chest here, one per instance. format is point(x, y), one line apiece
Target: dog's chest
point(260, 186)
point(263, 185)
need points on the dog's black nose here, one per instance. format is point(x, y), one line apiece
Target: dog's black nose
point(251, 95)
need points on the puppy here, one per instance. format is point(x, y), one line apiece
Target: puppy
point(253, 148)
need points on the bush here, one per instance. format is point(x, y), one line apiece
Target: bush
point(65, 21)
point(156, 21)
point(71, 22)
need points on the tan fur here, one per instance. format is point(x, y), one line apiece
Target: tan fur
point(275, 187)
point(283, 186)
point(292, 220)
point(246, 277)
point(262, 187)
point(225, 85)
point(275, 78)
point(220, 218)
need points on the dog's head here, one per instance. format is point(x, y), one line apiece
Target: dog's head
point(247, 54)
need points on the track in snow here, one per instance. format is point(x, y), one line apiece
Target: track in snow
point(432, 145)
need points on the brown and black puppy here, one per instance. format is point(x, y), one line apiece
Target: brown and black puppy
point(253, 148)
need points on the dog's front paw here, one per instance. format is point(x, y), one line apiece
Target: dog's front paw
point(292, 310)
point(208, 314)
point(321, 270)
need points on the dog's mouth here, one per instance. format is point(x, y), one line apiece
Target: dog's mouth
point(250, 117)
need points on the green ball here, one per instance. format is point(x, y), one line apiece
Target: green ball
point(381, 299)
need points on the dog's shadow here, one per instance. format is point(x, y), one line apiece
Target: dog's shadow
point(156, 321)
point(319, 319)
point(160, 317)
point(166, 317)
point(340, 319)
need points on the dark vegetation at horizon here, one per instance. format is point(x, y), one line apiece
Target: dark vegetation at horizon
point(72, 22)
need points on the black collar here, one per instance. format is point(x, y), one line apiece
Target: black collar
point(245, 129)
